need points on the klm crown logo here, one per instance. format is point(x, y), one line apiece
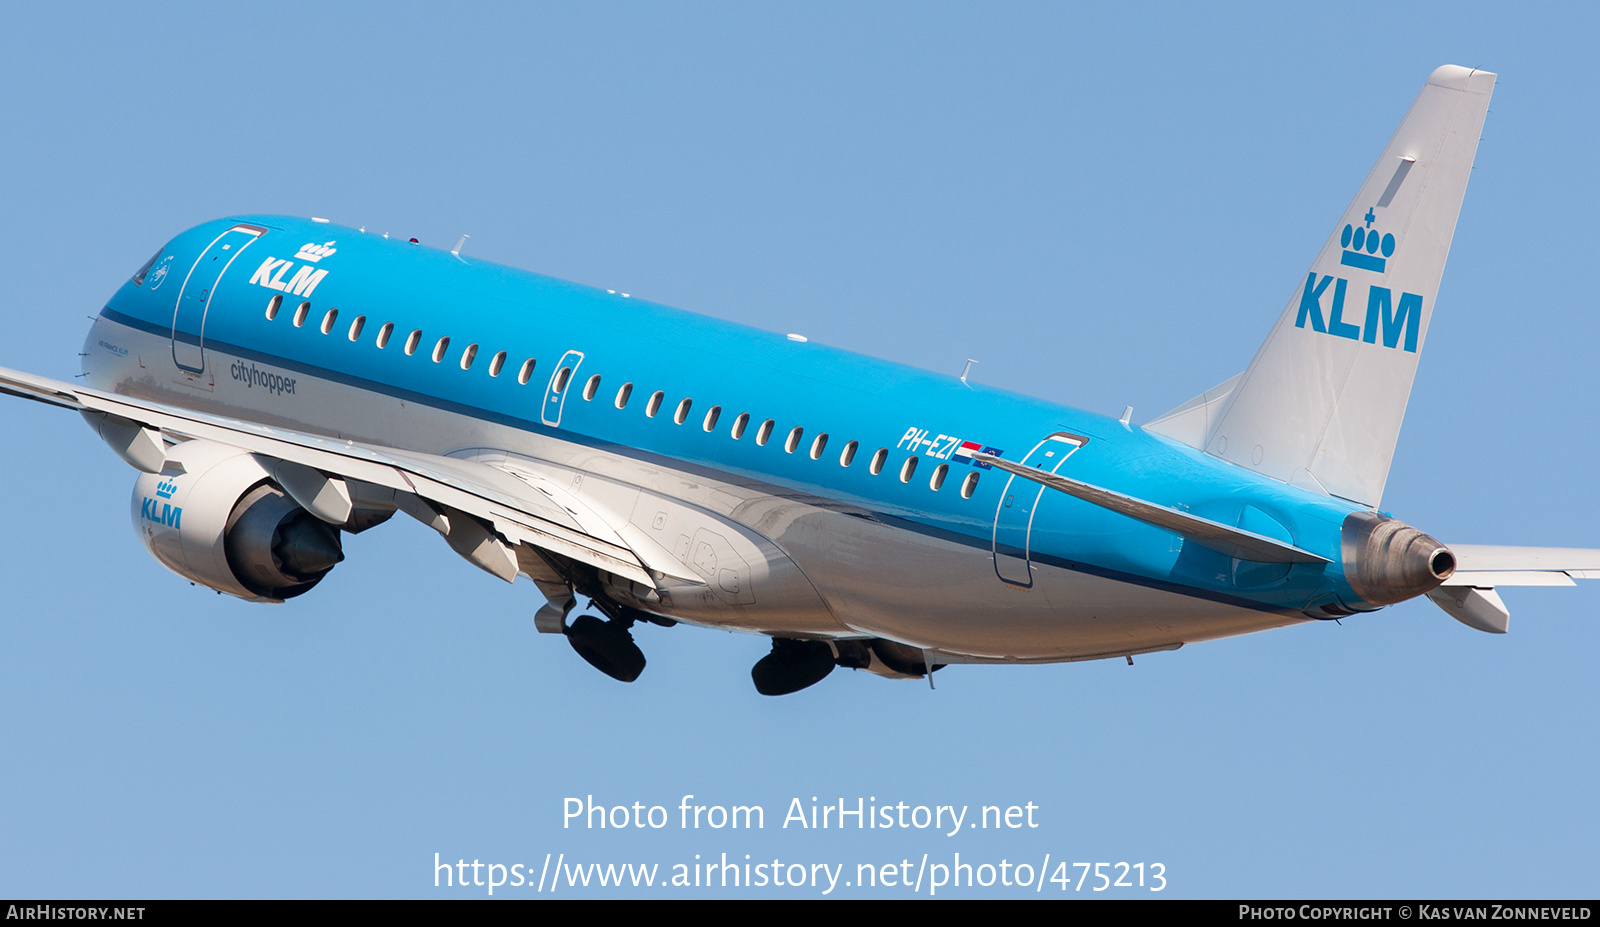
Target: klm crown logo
point(1362, 243)
point(313, 252)
point(166, 488)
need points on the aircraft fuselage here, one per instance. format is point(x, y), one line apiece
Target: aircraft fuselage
point(847, 505)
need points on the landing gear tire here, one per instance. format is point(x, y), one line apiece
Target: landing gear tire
point(607, 646)
point(791, 666)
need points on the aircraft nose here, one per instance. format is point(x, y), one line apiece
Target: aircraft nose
point(1388, 561)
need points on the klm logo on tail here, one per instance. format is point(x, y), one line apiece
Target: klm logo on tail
point(1395, 318)
point(1361, 245)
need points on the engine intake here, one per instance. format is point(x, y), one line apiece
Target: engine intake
point(214, 516)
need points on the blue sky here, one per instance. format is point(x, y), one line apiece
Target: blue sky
point(1105, 206)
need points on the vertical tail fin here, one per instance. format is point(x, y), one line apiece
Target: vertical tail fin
point(1321, 404)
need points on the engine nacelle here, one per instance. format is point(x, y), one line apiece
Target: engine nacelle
point(214, 516)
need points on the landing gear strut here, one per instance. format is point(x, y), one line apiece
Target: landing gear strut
point(608, 647)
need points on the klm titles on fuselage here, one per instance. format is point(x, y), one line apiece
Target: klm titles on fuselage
point(274, 272)
point(1362, 246)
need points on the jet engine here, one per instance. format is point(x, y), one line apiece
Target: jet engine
point(214, 516)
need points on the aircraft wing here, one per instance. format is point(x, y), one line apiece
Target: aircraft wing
point(482, 511)
point(1235, 542)
point(1469, 597)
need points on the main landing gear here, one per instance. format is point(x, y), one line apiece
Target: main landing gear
point(796, 664)
point(791, 666)
point(607, 646)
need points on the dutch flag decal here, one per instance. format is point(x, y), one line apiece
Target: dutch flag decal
point(967, 449)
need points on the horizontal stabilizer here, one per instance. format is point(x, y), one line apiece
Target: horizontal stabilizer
point(1468, 595)
point(1235, 542)
point(1536, 566)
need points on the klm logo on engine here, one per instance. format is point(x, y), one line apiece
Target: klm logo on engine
point(162, 513)
point(274, 273)
point(1398, 320)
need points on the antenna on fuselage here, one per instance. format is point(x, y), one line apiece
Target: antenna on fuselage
point(459, 245)
point(966, 370)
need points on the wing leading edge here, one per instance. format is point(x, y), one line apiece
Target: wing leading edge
point(483, 512)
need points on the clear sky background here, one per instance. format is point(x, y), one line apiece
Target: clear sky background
point(1106, 205)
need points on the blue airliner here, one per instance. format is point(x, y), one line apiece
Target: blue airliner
point(278, 381)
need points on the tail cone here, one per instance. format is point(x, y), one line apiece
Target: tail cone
point(1388, 561)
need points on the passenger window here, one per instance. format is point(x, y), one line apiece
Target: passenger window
point(876, 467)
point(562, 376)
point(525, 372)
point(682, 414)
point(624, 394)
point(908, 468)
point(384, 333)
point(937, 480)
point(969, 484)
point(468, 356)
point(764, 432)
point(357, 326)
point(711, 418)
point(300, 314)
point(817, 444)
point(739, 425)
point(591, 387)
point(272, 306)
point(793, 441)
point(497, 363)
point(412, 340)
point(848, 455)
point(439, 348)
point(327, 320)
point(654, 405)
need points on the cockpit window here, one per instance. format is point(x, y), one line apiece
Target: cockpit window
point(138, 278)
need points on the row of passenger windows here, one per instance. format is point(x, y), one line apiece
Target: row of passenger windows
point(791, 442)
point(414, 340)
